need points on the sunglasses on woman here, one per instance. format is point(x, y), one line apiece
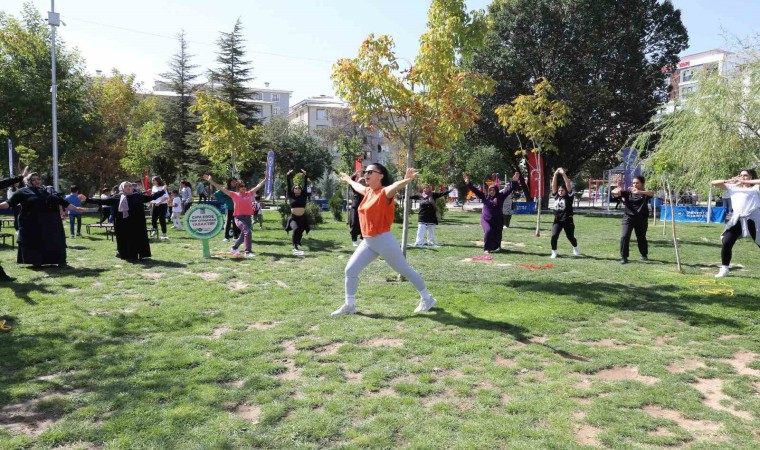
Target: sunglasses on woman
point(366, 172)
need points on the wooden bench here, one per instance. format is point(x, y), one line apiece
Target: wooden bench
point(8, 221)
point(152, 231)
point(5, 236)
point(105, 226)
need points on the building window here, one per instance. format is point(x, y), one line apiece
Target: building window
point(275, 97)
point(321, 114)
point(257, 95)
point(379, 148)
point(276, 111)
point(687, 91)
point(687, 75)
point(368, 155)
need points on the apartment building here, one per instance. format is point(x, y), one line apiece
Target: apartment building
point(684, 80)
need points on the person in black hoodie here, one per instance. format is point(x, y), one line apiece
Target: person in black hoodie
point(353, 211)
point(428, 215)
point(635, 218)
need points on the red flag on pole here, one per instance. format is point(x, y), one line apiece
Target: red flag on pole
point(358, 164)
point(536, 174)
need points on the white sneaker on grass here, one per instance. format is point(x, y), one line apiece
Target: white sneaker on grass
point(344, 309)
point(297, 252)
point(554, 254)
point(576, 251)
point(235, 252)
point(425, 305)
point(249, 255)
point(355, 243)
point(722, 273)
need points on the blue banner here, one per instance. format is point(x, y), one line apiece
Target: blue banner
point(269, 188)
point(524, 208)
point(694, 214)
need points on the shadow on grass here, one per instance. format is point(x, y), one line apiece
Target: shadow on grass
point(668, 299)
point(150, 262)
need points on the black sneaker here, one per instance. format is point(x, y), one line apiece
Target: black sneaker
point(623, 260)
point(644, 258)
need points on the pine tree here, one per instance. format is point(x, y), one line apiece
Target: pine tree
point(233, 74)
point(181, 123)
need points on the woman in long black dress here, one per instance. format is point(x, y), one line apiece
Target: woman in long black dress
point(41, 239)
point(129, 220)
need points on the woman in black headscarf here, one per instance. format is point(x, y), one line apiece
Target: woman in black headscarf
point(129, 220)
point(4, 184)
point(41, 239)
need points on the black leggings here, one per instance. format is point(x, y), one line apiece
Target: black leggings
point(159, 215)
point(569, 228)
point(729, 238)
point(297, 226)
point(231, 226)
point(638, 225)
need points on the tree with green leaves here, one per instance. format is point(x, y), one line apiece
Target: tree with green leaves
point(230, 146)
point(604, 59)
point(296, 149)
point(233, 75)
point(431, 104)
point(537, 119)
point(144, 144)
point(180, 122)
point(25, 102)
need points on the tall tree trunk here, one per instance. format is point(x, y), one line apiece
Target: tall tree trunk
point(407, 199)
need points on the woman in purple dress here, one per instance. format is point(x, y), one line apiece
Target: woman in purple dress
point(491, 218)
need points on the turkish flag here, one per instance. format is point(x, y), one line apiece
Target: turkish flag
point(358, 164)
point(536, 174)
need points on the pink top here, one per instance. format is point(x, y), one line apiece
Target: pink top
point(243, 203)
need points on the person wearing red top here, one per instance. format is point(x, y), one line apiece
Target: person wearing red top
point(375, 218)
point(243, 200)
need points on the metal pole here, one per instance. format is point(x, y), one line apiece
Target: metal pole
point(54, 21)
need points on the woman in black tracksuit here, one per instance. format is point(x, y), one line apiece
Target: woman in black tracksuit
point(428, 215)
point(563, 213)
point(635, 218)
point(296, 222)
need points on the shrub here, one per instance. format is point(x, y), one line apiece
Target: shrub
point(336, 205)
point(314, 214)
point(440, 207)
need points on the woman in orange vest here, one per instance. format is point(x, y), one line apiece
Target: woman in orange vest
point(376, 213)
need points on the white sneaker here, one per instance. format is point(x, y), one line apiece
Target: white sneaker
point(722, 273)
point(425, 305)
point(554, 255)
point(249, 255)
point(355, 243)
point(297, 252)
point(225, 240)
point(234, 252)
point(576, 251)
point(345, 309)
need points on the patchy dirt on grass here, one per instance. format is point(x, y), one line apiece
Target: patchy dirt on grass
point(661, 431)
point(383, 342)
point(208, 276)
point(726, 337)
point(251, 413)
point(291, 372)
point(504, 362)
point(702, 427)
point(625, 373)
point(152, 275)
point(386, 391)
point(354, 377)
point(586, 435)
point(740, 361)
point(452, 373)
point(262, 325)
point(27, 419)
point(79, 446)
point(329, 349)
point(604, 343)
point(237, 285)
point(618, 320)
point(55, 376)
point(219, 332)
point(712, 391)
point(685, 365)
point(237, 384)
point(282, 284)
point(289, 347)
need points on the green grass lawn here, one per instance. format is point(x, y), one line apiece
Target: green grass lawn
point(191, 353)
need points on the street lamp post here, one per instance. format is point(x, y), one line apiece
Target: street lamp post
point(54, 20)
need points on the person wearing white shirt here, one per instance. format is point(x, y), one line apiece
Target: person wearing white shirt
point(176, 203)
point(745, 221)
point(159, 206)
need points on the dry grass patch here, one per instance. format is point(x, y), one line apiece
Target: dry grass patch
point(383, 342)
point(291, 373)
point(739, 363)
point(329, 349)
point(701, 427)
point(237, 384)
point(208, 276)
point(625, 373)
point(219, 332)
point(604, 343)
point(618, 320)
point(712, 391)
point(685, 366)
point(504, 362)
point(282, 284)
point(354, 377)
point(27, 418)
point(152, 275)
point(386, 391)
point(586, 435)
point(251, 413)
point(262, 325)
point(237, 285)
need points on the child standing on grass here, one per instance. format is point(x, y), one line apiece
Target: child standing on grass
point(74, 216)
point(176, 202)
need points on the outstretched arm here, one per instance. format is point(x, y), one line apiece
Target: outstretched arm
point(305, 180)
point(511, 187)
point(289, 178)
point(258, 186)
point(216, 185)
point(356, 186)
point(390, 191)
point(567, 180)
point(478, 193)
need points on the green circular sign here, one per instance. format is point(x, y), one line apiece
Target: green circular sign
point(203, 221)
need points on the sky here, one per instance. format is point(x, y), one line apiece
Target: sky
point(293, 43)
